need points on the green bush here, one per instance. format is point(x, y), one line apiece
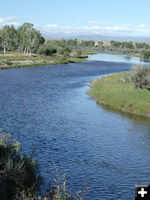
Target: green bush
point(140, 76)
point(47, 50)
point(146, 54)
point(78, 53)
point(18, 173)
point(65, 52)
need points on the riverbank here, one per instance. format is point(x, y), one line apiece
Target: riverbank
point(7, 61)
point(136, 54)
point(114, 93)
point(16, 60)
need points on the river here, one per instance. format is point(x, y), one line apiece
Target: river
point(47, 108)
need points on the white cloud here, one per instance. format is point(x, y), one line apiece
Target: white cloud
point(11, 23)
point(92, 27)
point(1, 20)
point(95, 27)
point(10, 20)
point(142, 26)
point(101, 29)
point(51, 26)
point(85, 27)
point(119, 28)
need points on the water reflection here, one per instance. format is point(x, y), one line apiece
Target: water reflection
point(139, 125)
point(110, 57)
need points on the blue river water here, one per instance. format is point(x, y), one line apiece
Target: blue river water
point(104, 153)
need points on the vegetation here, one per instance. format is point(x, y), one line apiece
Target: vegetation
point(146, 54)
point(118, 91)
point(18, 173)
point(140, 77)
point(47, 51)
point(25, 46)
point(122, 45)
point(19, 176)
point(25, 39)
point(141, 49)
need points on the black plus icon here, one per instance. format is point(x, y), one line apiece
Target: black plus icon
point(142, 192)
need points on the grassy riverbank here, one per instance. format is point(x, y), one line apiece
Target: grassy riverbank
point(20, 60)
point(113, 92)
point(15, 60)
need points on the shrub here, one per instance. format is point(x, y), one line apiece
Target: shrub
point(78, 53)
point(47, 50)
point(18, 173)
point(60, 192)
point(140, 76)
point(146, 54)
point(60, 50)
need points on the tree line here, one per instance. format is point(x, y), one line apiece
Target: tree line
point(24, 39)
point(27, 40)
point(129, 45)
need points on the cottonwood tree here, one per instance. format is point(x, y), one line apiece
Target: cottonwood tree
point(29, 38)
point(13, 38)
point(35, 40)
point(5, 38)
point(9, 38)
point(1, 41)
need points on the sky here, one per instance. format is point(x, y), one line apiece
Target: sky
point(80, 17)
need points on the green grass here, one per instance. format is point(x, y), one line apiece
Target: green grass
point(77, 59)
point(14, 60)
point(116, 94)
point(18, 60)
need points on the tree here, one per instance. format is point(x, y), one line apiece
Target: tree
point(35, 40)
point(1, 40)
point(5, 38)
point(29, 38)
point(87, 43)
point(9, 38)
point(72, 43)
point(24, 35)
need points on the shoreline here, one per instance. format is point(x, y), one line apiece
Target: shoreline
point(28, 61)
point(73, 60)
point(110, 91)
point(11, 60)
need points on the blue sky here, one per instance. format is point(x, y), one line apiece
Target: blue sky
point(73, 17)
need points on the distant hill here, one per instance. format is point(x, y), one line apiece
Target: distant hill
point(96, 37)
